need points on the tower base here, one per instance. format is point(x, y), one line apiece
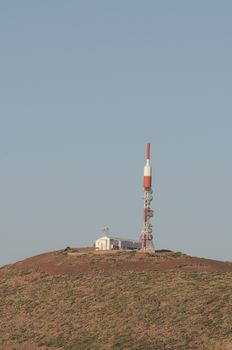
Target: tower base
point(146, 243)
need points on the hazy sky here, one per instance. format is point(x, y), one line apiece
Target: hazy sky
point(83, 86)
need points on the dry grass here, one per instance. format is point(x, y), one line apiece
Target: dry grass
point(146, 310)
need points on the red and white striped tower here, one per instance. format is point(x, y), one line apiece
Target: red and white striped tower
point(146, 238)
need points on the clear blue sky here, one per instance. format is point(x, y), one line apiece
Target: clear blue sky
point(83, 86)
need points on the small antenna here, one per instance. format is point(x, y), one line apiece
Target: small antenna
point(105, 231)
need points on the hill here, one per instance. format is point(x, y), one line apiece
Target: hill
point(85, 300)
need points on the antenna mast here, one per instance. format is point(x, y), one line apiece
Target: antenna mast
point(146, 237)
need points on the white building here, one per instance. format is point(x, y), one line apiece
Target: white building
point(107, 243)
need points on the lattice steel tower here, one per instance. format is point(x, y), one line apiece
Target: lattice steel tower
point(146, 237)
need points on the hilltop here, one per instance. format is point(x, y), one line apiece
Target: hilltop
point(80, 299)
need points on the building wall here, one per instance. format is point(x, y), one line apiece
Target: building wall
point(115, 243)
point(129, 245)
point(102, 243)
point(108, 243)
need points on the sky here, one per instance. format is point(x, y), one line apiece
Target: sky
point(84, 85)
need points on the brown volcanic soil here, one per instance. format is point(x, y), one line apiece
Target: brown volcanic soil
point(87, 260)
point(119, 300)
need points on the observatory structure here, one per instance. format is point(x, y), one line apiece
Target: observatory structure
point(146, 237)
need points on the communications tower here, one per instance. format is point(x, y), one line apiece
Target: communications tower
point(146, 237)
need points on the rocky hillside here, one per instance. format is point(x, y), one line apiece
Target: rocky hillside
point(85, 300)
